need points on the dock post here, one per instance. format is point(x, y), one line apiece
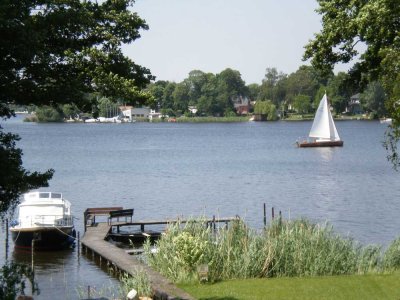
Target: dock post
point(280, 218)
point(79, 242)
point(214, 224)
point(273, 213)
point(33, 253)
point(265, 215)
point(6, 239)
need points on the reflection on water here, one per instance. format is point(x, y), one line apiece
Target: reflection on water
point(61, 274)
point(49, 261)
point(325, 153)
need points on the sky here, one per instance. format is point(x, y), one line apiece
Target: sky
point(212, 35)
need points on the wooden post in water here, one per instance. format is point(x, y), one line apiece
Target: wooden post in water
point(79, 243)
point(273, 213)
point(265, 215)
point(6, 239)
point(33, 253)
point(214, 225)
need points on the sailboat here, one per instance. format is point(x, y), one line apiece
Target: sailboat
point(323, 132)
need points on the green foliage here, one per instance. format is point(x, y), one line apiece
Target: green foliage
point(392, 255)
point(49, 114)
point(12, 280)
point(70, 110)
point(266, 109)
point(107, 108)
point(14, 179)
point(302, 104)
point(189, 250)
point(139, 281)
point(56, 51)
point(294, 248)
point(373, 99)
point(273, 87)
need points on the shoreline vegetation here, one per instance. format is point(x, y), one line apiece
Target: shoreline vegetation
point(295, 252)
point(184, 119)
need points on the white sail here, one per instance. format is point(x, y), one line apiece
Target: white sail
point(323, 127)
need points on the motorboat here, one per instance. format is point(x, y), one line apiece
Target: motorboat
point(44, 221)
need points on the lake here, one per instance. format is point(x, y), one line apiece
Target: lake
point(166, 170)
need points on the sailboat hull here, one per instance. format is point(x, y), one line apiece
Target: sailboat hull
point(307, 144)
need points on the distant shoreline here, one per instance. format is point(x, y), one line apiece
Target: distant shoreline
point(294, 118)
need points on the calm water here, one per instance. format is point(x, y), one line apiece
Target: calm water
point(166, 170)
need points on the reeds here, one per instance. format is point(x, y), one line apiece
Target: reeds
point(293, 248)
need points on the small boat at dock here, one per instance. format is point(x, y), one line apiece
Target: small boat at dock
point(45, 221)
point(323, 132)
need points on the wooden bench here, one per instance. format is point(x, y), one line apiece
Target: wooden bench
point(91, 213)
point(122, 213)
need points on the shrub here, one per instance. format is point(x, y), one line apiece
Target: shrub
point(48, 114)
point(293, 248)
point(391, 257)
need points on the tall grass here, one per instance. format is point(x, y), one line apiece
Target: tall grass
point(293, 248)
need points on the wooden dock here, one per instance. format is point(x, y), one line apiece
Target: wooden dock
point(93, 242)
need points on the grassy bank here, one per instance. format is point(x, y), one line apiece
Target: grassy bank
point(361, 287)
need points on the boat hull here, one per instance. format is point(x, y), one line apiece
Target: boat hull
point(307, 144)
point(45, 238)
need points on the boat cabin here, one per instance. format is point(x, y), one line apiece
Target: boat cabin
point(40, 209)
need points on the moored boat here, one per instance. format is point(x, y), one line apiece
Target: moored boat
point(46, 218)
point(323, 132)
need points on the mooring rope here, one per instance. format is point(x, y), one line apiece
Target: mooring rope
point(65, 233)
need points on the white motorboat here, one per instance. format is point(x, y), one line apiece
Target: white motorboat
point(46, 218)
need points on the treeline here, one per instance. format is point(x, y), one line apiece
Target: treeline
point(298, 92)
point(216, 95)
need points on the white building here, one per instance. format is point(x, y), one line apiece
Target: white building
point(154, 115)
point(131, 113)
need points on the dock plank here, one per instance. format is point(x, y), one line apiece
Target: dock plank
point(94, 239)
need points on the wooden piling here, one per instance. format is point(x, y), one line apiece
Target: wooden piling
point(265, 215)
point(7, 235)
point(33, 253)
point(273, 213)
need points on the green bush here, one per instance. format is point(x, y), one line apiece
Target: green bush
point(48, 114)
point(391, 257)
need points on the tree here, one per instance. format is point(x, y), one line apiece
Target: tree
point(181, 97)
point(272, 86)
point(266, 109)
point(339, 92)
point(55, 52)
point(375, 24)
point(303, 81)
point(373, 99)
point(302, 103)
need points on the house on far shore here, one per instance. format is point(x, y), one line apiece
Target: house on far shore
point(193, 109)
point(154, 115)
point(130, 113)
point(354, 105)
point(241, 105)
